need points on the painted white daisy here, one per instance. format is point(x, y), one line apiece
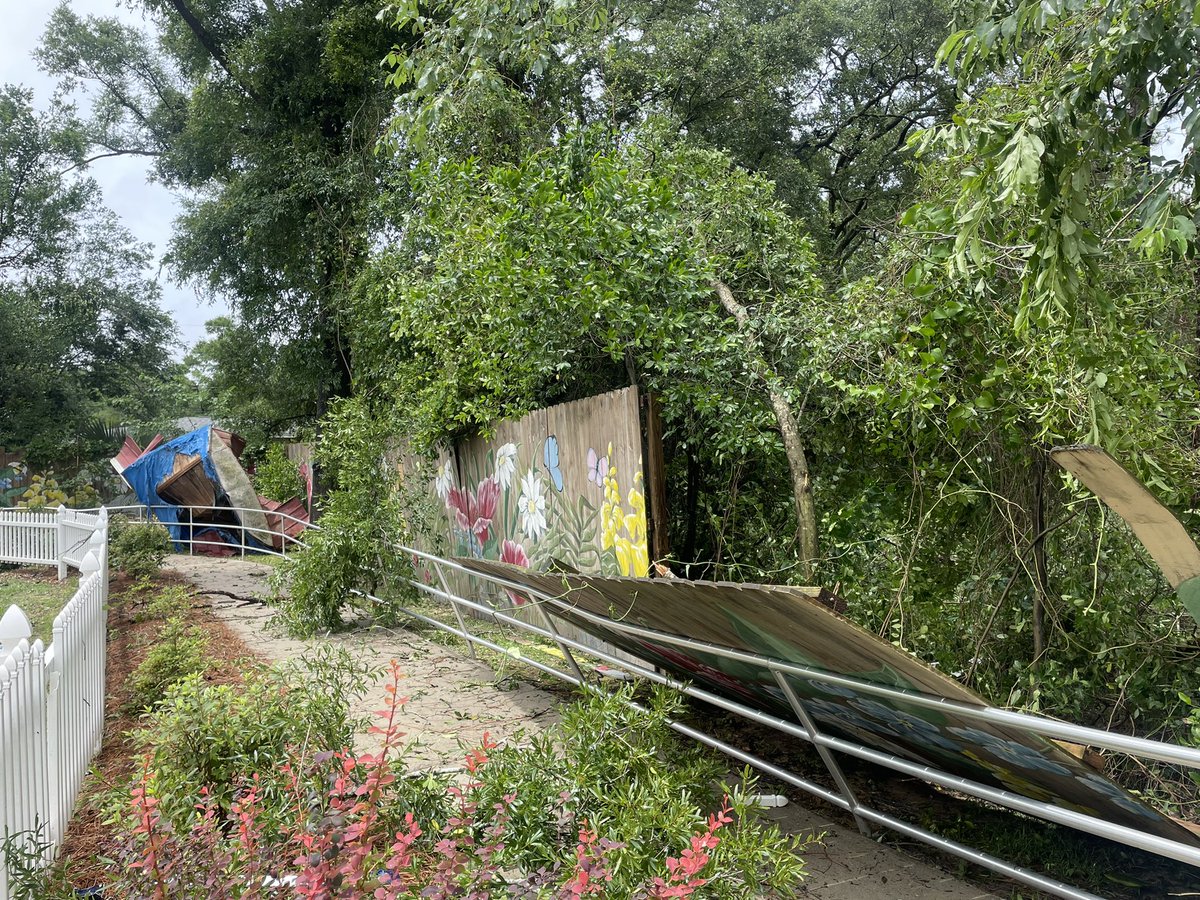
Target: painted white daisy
point(444, 480)
point(532, 506)
point(506, 464)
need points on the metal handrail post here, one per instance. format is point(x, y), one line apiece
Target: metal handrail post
point(827, 757)
point(457, 612)
point(566, 651)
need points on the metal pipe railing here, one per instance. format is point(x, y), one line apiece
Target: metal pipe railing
point(262, 537)
point(1025, 722)
point(979, 857)
point(1079, 734)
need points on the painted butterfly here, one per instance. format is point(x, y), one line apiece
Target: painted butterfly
point(597, 467)
point(550, 458)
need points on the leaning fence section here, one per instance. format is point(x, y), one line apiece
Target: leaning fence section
point(51, 697)
point(804, 728)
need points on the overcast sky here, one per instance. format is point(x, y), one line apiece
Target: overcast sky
point(146, 208)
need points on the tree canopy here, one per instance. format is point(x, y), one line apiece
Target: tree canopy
point(266, 118)
point(84, 333)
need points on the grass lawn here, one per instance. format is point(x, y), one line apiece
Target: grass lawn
point(38, 591)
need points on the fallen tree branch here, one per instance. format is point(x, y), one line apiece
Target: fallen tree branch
point(259, 600)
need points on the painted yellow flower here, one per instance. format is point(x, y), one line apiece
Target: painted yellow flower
point(607, 533)
point(624, 531)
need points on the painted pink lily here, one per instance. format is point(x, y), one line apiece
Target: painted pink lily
point(474, 510)
point(514, 554)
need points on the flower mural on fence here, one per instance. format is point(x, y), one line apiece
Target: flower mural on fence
point(475, 510)
point(506, 464)
point(444, 480)
point(532, 506)
point(527, 520)
point(1011, 752)
point(514, 554)
point(624, 532)
point(12, 482)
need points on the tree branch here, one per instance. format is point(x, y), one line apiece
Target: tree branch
point(209, 43)
point(83, 163)
point(793, 445)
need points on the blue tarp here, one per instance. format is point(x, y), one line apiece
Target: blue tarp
point(145, 473)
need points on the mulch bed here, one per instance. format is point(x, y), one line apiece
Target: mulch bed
point(130, 637)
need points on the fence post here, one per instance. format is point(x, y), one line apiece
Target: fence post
point(14, 625)
point(99, 544)
point(60, 541)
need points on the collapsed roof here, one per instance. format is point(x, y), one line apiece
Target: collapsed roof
point(197, 487)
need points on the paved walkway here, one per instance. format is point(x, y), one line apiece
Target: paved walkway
point(454, 698)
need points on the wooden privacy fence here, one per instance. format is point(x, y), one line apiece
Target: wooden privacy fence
point(51, 698)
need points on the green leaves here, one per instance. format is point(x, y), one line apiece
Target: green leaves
point(1101, 82)
point(519, 285)
point(85, 332)
point(1020, 168)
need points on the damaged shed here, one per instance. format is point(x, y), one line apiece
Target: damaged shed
point(196, 486)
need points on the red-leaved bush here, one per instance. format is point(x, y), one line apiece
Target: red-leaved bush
point(345, 834)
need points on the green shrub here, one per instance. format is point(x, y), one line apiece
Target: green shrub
point(611, 803)
point(632, 778)
point(278, 477)
point(353, 550)
point(177, 653)
point(137, 548)
point(362, 523)
point(166, 603)
point(206, 736)
point(24, 855)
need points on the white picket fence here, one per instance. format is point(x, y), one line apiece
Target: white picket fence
point(51, 698)
point(75, 529)
point(28, 537)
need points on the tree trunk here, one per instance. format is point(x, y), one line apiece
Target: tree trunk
point(1041, 578)
point(692, 504)
point(793, 445)
point(210, 44)
point(339, 386)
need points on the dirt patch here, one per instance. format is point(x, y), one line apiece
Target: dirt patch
point(453, 700)
point(130, 636)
